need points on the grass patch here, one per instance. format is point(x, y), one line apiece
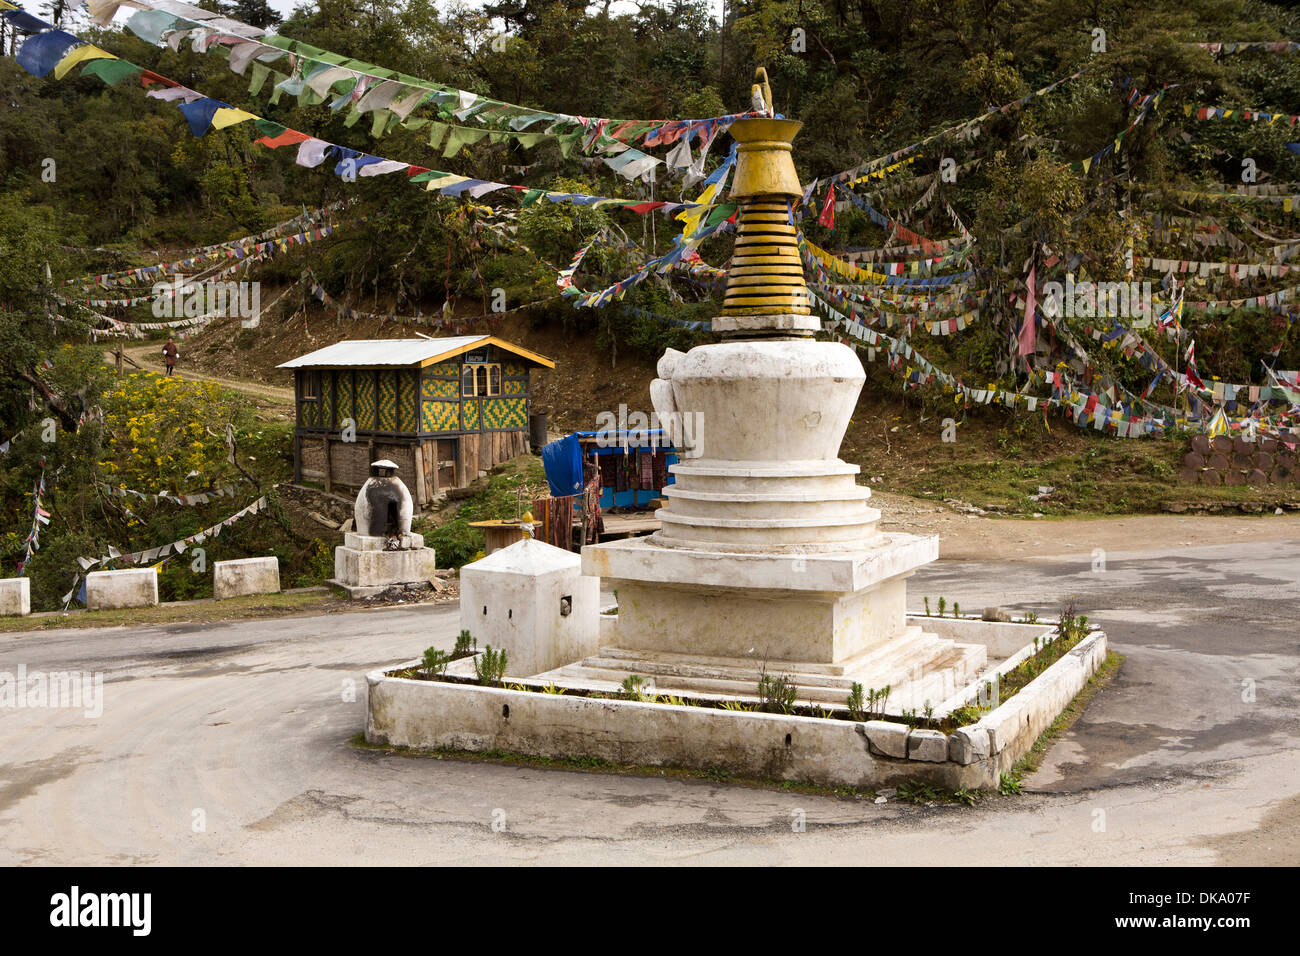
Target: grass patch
point(494, 497)
point(232, 609)
point(999, 464)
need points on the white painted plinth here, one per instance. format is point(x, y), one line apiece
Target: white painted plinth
point(407, 541)
point(517, 597)
point(15, 597)
point(132, 587)
point(355, 568)
point(245, 576)
point(811, 608)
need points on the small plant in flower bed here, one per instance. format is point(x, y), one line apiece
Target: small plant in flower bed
point(466, 644)
point(1070, 630)
point(436, 661)
point(636, 688)
point(777, 693)
point(490, 666)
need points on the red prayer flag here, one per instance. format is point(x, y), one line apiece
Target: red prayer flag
point(287, 138)
point(827, 218)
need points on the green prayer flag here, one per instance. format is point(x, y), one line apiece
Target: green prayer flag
point(112, 71)
point(719, 213)
point(260, 72)
point(268, 128)
point(436, 132)
point(567, 141)
point(531, 196)
point(380, 123)
point(456, 138)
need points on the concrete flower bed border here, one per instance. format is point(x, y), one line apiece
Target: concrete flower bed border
point(434, 715)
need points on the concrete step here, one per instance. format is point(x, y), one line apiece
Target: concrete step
point(917, 666)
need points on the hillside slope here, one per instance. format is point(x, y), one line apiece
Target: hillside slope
point(997, 464)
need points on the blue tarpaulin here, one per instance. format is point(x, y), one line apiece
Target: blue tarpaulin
point(562, 461)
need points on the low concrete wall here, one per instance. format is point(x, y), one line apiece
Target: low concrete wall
point(438, 714)
point(245, 576)
point(1013, 727)
point(1001, 639)
point(133, 587)
point(15, 597)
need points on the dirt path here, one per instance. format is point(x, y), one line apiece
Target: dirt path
point(968, 536)
point(267, 398)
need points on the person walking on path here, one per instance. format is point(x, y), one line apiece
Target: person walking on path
point(170, 354)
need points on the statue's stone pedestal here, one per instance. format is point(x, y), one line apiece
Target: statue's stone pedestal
point(364, 565)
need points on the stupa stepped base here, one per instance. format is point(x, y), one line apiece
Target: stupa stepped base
point(920, 669)
point(767, 507)
point(821, 607)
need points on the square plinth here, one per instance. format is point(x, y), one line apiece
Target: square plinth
point(809, 608)
point(378, 569)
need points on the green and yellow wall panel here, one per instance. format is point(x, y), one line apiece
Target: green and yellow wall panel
point(408, 385)
point(386, 402)
point(346, 399)
point(440, 417)
point(327, 399)
point(502, 413)
point(470, 412)
point(365, 401)
point(441, 387)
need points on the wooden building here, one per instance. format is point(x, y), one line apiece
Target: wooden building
point(444, 409)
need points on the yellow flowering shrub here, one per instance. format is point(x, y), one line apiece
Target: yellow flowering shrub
point(167, 434)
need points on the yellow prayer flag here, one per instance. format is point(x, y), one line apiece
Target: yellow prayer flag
point(80, 55)
point(229, 116)
point(6, 5)
point(443, 181)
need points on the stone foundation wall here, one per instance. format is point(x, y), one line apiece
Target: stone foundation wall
point(1235, 461)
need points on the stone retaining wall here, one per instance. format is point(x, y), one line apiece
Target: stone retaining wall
point(870, 754)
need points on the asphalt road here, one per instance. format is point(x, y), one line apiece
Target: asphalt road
point(229, 743)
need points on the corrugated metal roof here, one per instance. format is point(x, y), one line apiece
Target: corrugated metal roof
point(386, 352)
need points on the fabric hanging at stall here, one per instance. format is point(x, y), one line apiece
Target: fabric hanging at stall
point(660, 468)
point(591, 508)
point(646, 467)
point(555, 515)
point(608, 470)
